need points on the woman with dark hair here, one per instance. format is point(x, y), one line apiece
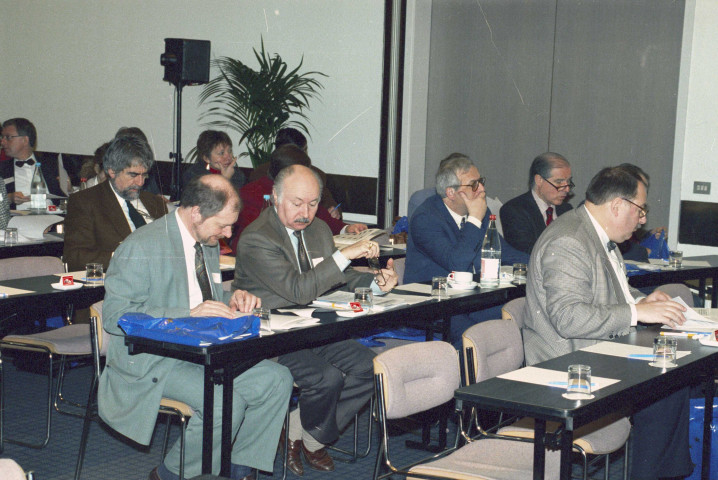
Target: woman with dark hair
point(214, 155)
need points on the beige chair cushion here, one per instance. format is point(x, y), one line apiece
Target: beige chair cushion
point(68, 340)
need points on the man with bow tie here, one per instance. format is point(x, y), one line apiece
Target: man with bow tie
point(577, 295)
point(19, 139)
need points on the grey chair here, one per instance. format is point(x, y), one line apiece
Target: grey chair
point(494, 347)
point(678, 290)
point(417, 377)
point(63, 343)
point(171, 408)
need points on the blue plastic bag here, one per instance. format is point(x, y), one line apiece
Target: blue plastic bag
point(402, 225)
point(657, 245)
point(194, 331)
point(695, 439)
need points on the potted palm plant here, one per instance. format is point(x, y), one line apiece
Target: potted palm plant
point(257, 103)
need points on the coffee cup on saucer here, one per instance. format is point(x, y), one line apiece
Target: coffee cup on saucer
point(461, 279)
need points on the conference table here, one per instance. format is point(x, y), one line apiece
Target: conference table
point(700, 273)
point(223, 362)
point(50, 246)
point(639, 385)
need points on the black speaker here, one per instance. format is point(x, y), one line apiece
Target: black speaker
point(186, 61)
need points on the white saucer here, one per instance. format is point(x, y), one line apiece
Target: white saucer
point(463, 286)
point(706, 340)
point(60, 286)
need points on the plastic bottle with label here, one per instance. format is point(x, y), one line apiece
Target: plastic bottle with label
point(491, 256)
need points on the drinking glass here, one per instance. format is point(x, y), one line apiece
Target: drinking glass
point(579, 383)
point(519, 273)
point(94, 275)
point(265, 317)
point(664, 351)
point(439, 287)
point(364, 297)
point(10, 236)
point(675, 259)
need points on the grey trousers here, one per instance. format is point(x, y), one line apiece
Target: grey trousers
point(261, 396)
point(336, 381)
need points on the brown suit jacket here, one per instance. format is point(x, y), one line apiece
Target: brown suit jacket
point(95, 224)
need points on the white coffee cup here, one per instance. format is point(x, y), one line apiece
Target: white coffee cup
point(461, 277)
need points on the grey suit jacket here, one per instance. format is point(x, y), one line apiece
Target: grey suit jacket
point(573, 297)
point(267, 265)
point(95, 224)
point(148, 274)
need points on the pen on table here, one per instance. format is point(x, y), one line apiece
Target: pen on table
point(335, 207)
point(681, 334)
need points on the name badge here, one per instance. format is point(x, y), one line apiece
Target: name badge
point(216, 277)
point(317, 261)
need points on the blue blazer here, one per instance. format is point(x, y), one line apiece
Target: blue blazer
point(436, 246)
point(523, 221)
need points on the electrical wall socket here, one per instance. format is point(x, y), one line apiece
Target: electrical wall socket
point(702, 188)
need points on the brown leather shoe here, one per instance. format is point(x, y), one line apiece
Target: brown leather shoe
point(251, 476)
point(154, 475)
point(319, 460)
point(294, 456)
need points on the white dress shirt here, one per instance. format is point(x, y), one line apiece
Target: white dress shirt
point(195, 293)
point(23, 180)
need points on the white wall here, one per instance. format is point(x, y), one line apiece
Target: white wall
point(696, 147)
point(80, 69)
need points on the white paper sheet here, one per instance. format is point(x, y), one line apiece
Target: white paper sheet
point(552, 378)
point(636, 352)
point(32, 227)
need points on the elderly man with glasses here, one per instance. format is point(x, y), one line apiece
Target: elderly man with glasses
point(524, 218)
point(446, 232)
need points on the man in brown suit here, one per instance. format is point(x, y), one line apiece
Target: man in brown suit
point(100, 218)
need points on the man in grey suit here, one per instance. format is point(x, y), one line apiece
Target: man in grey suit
point(170, 268)
point(286, 257)
point(577, 295)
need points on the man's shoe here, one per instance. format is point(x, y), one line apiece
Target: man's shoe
point(319, 460)
point(294, 456)
point(251, 476)
point(154, 475)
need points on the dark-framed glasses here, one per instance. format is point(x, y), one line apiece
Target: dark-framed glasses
point(642, 211)
point(8, 137)
point(474, 184)
point(564, 185)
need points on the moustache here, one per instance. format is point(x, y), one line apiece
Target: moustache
point(301, 220)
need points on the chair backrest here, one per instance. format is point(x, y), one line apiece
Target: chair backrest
point(678, 290)
point(96, 311)
point(24, 267)
point(514, 310)
point(416, 377)
point(491, 348)
point(417, 198)
point(399, 267)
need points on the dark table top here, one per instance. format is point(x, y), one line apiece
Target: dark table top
point(51, 246)
point(42, 295)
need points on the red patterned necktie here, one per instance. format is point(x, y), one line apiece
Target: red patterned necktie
point(549, 216)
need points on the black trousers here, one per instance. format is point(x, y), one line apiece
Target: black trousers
point(335, 381)
point(660, 439)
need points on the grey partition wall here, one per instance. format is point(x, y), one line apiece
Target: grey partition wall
point(593, 80)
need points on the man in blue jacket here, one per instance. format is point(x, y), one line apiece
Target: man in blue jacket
point(446, 232)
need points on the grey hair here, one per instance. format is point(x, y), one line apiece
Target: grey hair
point(286, 173)
point(125, 152)
point(544, 164)
point(449, 170)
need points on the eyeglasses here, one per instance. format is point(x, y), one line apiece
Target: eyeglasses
point(8, 137)
point(134, 175)
point(474, 184)
point(643, 211)
point(565, 185)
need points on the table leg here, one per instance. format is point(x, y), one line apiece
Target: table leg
point(702, 292)
point(208, 421)
point(227, 400)
point(566, 454)
point(707, 431)
point(714, 292)
point(539, 449)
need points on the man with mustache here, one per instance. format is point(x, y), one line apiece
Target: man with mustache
point(101, 217)
point(524, 218)
point(287, 257)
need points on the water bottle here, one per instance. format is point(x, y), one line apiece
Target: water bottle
point(267, 203)
point(38, 191)
point(491, 256)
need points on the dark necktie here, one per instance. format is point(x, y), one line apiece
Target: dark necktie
point(304, 265)
point(463, 223)
point(135, 216)
point(21, 163)
point(201, 272)
point(611, 245)
point(549, 216)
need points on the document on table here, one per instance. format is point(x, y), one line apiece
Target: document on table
point(8, 291)
point(695, 321)
point(658, 264)
point(32, 227)
point(552, 378)
point(279, 322)
point(627, 351)
point(346, 239)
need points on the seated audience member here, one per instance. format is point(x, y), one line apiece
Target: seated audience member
point(577, 295)
point(446, 232)
point(214, 155)
point(152, 184)
point(287, 257)
point(525, 217)
point(253, 194)
point(292, 136)
point(19, 139)
point(4, 205)
point(91, 171)
point(171, 269)
point(100, 218)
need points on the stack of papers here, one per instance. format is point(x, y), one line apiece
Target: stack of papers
point(340, 300)
point(346, 239)
point(695, 322)
point(32, 227)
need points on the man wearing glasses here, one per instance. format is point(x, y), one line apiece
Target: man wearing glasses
point(19, 139)
point(446, 232)
point(101, 217)
point(524, 218)
point(577, 295)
